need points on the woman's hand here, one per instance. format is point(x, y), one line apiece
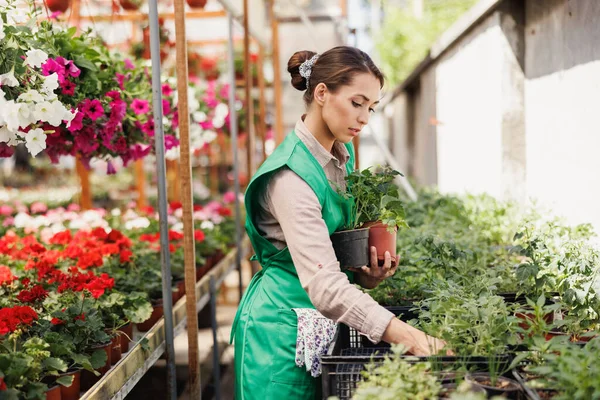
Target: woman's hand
point(370, 277)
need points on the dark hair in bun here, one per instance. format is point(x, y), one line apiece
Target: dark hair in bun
point(335, 68)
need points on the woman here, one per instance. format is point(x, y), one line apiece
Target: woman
point(286, 318)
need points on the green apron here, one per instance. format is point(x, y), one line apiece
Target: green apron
point(265, 325)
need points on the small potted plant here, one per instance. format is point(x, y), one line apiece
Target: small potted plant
point(377, 213)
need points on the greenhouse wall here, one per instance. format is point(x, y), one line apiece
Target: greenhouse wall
point(505, 104)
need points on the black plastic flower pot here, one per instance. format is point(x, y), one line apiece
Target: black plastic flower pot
point(351, 247)
point(506, 387)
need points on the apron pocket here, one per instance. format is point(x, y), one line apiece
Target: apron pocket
point(284, 362)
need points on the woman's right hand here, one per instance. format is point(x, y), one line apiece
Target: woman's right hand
point(417, 342)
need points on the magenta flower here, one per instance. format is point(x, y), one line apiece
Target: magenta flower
point(77, 122)
point(128, 64)
point(148, 128)
point(6, 150)
point(170, 142)
point(113, 94)
point(93, 109)
point(118, 109)
point(54, 16)
point(51, 66)
point(140, 107)
point(206, 124)
point(167, 90)
point(120, 80)
point(224, 91)
point(110, 168)
point(68, 88)
point(211, 101)
point(166, 107)
point(120, 145)
point(73, 70)
point(229, 197)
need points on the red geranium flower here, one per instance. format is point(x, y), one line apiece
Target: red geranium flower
point(199, 235)
point(6, 275)
point(11, 318)
point(56, 321)
point(63, 237)
point(125, 256)
point(2, 384)
point(225, 212)
point(36, 293)
point(173, 235)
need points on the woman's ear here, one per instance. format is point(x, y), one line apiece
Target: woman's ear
point(320, 93)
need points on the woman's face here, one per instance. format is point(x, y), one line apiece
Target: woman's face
point(348, 110)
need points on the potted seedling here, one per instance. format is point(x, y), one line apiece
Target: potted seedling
point(377, 212)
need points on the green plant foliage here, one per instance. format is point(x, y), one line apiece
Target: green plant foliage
point(404, 40)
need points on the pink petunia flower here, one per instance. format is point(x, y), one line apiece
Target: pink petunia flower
point(148, 127)
point(92, 109)
point(68, 88)
point(6, 210)
point(77, 122)
point(166, 107)
point(170, 142)
point(140, 107)
point(128, 64)
point(51, 66)
point(120, 80)
point(110, 168)
point(113, 94)
point(167, 90)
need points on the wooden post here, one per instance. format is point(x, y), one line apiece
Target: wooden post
point(262, 110)
point(187, 200)
point(279, 134)
point(140, 183)
point(85, 199)
point(251, 149)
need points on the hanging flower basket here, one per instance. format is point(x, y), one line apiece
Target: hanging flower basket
point(130, 5)
point(58, 5)
point(197, 3)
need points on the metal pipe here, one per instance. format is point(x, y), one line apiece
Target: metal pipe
point(159, 143)
point(213, 317)
point(389, 158)
point(236, 167)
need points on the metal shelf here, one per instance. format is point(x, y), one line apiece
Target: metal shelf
point(122, 378)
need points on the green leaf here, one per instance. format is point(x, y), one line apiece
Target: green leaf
point(66, 380)
point(55, 364)
point(98, 359)
point(82, 62)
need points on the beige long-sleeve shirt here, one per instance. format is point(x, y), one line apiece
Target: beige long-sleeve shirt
point(291, 216)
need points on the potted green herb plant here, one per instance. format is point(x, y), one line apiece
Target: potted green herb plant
point(377, 213)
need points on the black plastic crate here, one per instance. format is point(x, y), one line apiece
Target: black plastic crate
point(350, 352)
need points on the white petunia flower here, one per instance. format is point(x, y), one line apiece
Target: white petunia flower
point(60, 112)
point(115, 212)
point(9, 79)
point(221, 111)
point(6, 136)
point(16, 16)
point(31, 96)
point(172, 153)
point(43, 111)
point(209, 135)
point(69, 116)
point(35, 58)
point(35, 141)
point(16, 115)
point(2, 34)
point(218, 122)
point(50, 84)
point(199, 116)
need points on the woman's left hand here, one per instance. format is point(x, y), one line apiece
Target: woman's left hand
point(370, 277)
